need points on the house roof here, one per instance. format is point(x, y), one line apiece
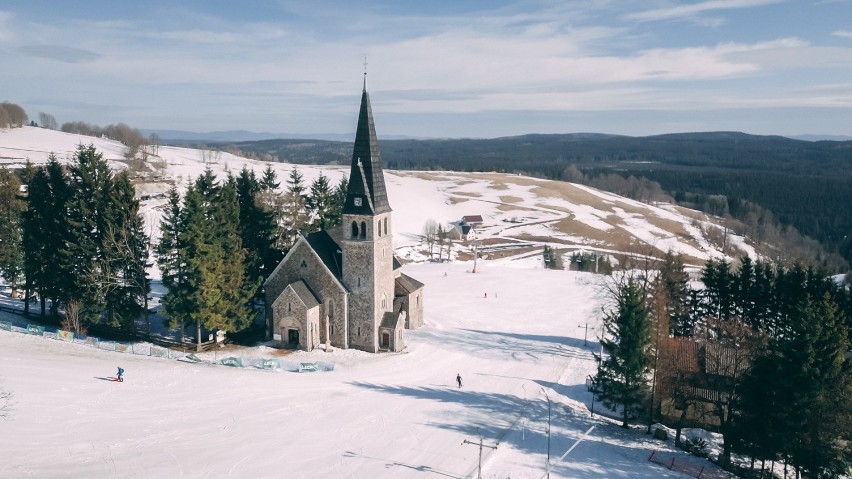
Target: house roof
point(472, 219)
point(366, 178)
point(328, 251)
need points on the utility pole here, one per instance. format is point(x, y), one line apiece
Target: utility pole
point(547, 466)
point(585, 333)
point(475, 255)
point(481, 445)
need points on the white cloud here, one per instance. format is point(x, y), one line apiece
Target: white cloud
point(6, 32)
point(843, 33)
point(685, 11)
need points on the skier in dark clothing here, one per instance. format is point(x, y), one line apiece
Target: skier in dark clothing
point(119, 374)
point(458, 379)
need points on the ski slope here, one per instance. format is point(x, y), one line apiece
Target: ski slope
point(374, 416)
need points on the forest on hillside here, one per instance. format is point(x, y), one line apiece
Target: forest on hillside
point(758, 180)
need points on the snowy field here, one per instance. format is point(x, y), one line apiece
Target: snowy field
point(375, 415)
point(385, 415)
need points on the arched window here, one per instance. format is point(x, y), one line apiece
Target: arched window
point(379, 228)
point(354, 229)
point(363, 230)
point(386, 226)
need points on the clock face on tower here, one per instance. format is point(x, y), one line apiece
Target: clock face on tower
point(357, 201)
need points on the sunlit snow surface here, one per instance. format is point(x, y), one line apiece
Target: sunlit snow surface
point(513, 330)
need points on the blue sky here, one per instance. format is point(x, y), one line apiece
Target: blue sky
point(437, 68)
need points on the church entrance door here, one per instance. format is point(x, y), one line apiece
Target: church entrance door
point(385, 340)
point(293, 337)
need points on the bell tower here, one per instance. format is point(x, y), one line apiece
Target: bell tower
point(366, 242)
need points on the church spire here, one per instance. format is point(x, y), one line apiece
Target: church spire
point(366, 194)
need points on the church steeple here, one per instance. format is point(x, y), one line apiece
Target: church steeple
point(366, 194)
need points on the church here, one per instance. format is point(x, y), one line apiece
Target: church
point(343, 287)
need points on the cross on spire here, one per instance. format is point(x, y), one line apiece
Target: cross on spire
point(365, 72)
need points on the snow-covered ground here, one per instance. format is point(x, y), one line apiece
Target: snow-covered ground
point(373, 416)
point(383, 415)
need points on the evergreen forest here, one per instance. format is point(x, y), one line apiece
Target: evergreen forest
point(760, 354)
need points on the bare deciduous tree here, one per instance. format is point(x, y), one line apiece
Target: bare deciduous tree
point(430, 234)
point(46, 120)
point(17, 117)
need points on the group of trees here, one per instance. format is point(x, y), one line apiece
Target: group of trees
point(762, 349)
point(435, 235)
point(75, 241)
point(12, 115)
point(221, 240)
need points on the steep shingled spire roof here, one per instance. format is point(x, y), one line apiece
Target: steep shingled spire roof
point(366, 178)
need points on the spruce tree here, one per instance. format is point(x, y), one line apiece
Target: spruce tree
point(335, 206)
point(11, 230)
point(295, 213)
point(126, 256)
point(818, 379)
point(674, 282)
point(257, 230)
point(621, 377)
point(172, 254)
point(319, 203)
point(46, 232)
point(84, 257)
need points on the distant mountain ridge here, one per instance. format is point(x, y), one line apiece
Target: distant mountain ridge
point(230, 136)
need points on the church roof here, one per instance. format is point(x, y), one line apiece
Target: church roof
point(328, 251)
point(390, 319)
point(305, 294)
point(406, 285)
point(366, 178)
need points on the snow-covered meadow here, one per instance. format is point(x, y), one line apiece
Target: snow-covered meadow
point(513, 330)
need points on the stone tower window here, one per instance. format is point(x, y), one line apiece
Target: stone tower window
point(359, 330)
point(354, 229)
point(379, 228)
point(363, 230)
point(386, 226)
point(289, 307)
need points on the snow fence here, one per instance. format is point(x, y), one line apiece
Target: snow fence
point(148, 349)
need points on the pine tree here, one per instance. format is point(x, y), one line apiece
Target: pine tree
point(11, 231)
point(621, 377)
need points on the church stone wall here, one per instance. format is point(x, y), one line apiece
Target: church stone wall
point(415, 310)
point(289, 312)
point(302, 263)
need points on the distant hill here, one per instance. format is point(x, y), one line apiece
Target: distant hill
point(805, 184)
point(176, 137)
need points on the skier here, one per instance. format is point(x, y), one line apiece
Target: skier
point(119, 374)
point(458, 380)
